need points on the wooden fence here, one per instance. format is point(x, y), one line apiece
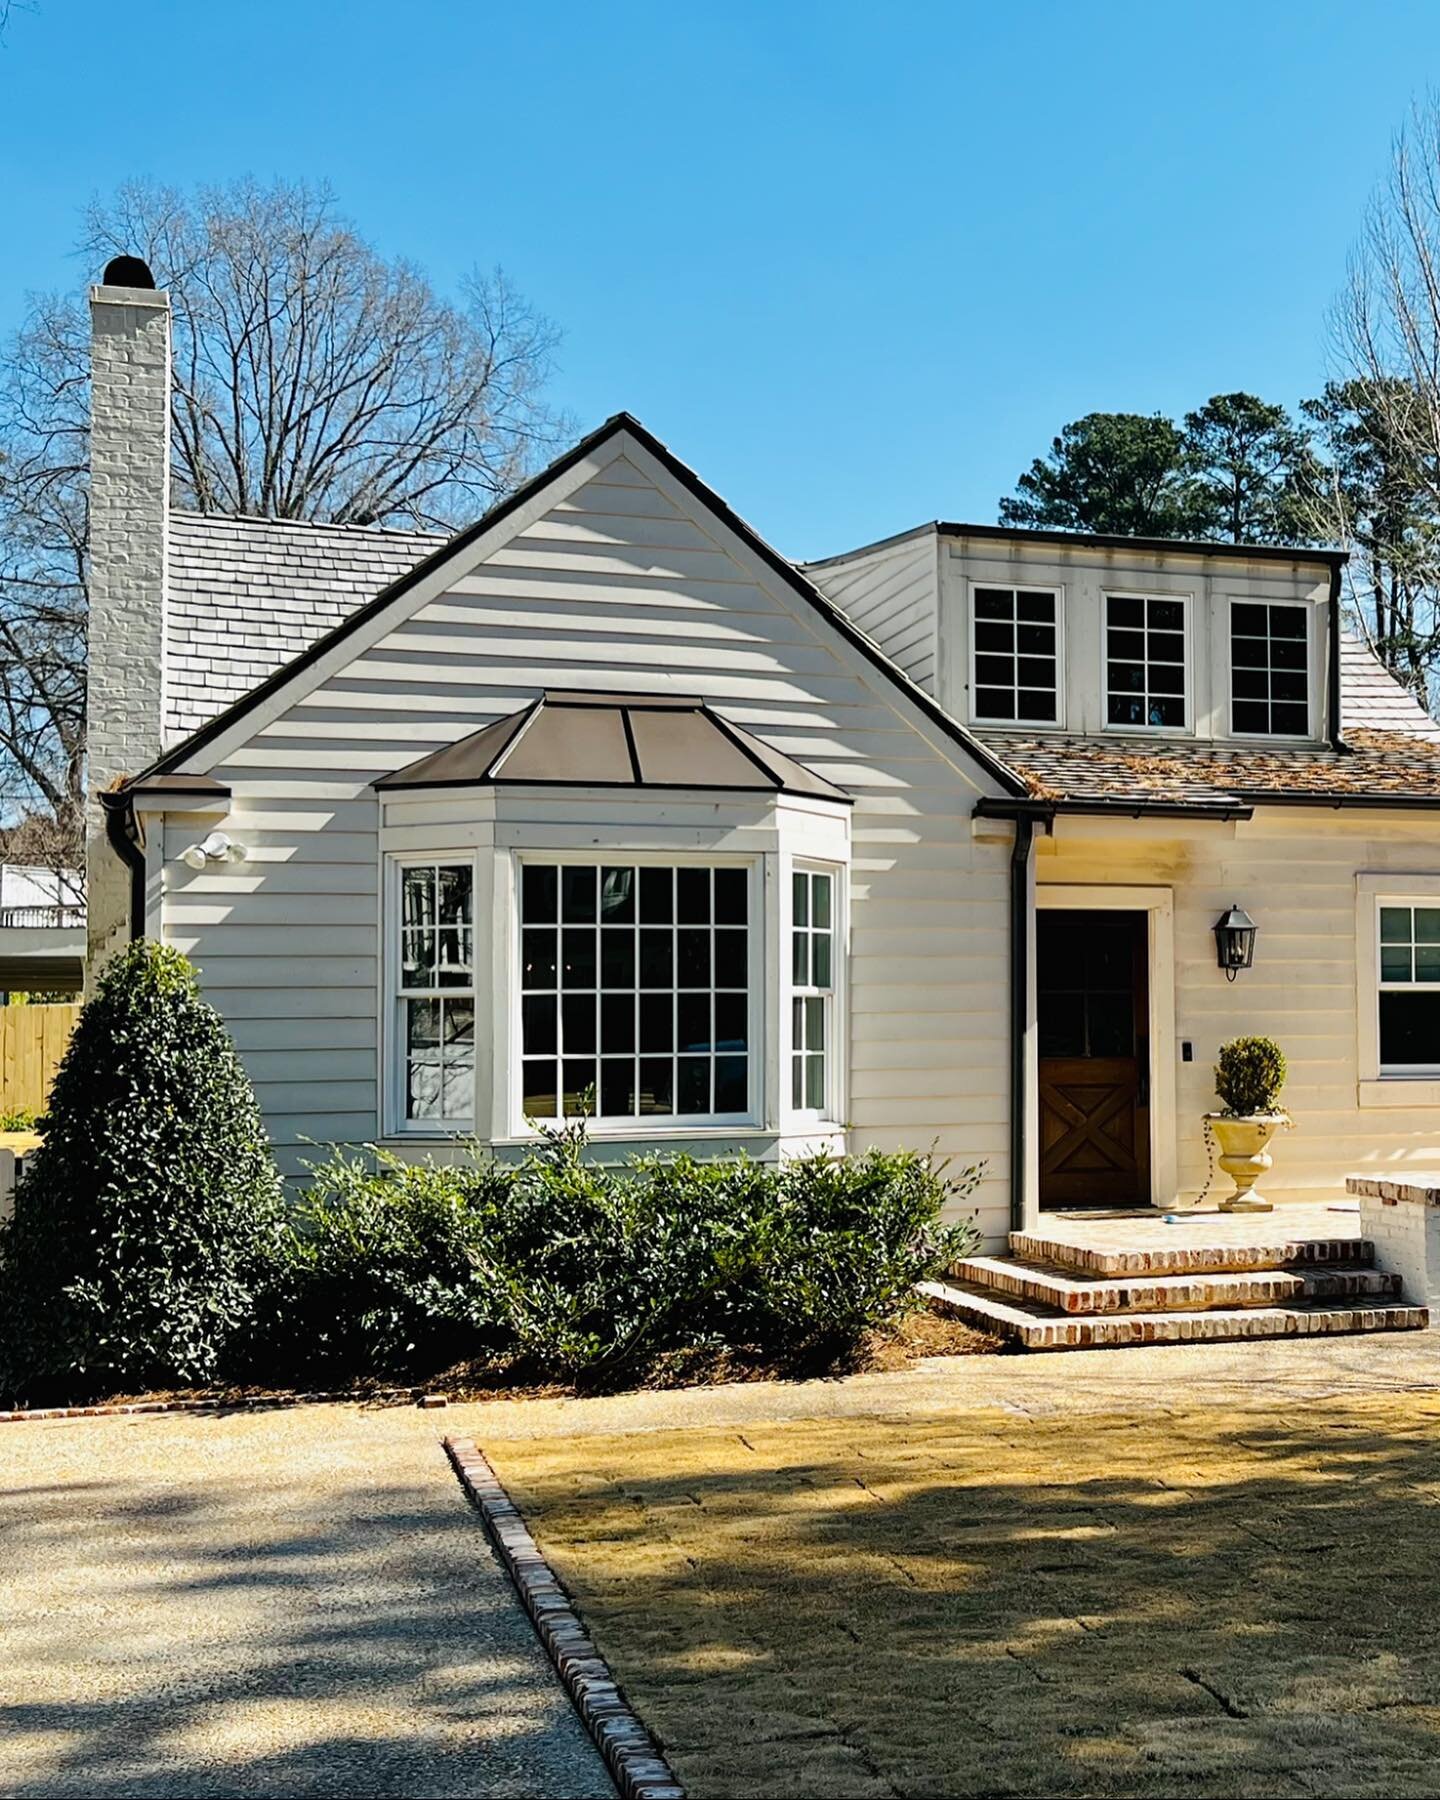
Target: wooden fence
point(32, 1041)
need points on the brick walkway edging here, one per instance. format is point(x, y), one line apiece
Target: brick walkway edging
point(634, 1760)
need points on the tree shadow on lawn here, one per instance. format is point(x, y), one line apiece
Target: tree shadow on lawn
point(215, 1638)
point(1211, 1604)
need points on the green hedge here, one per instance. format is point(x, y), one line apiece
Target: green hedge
point(583, 1271)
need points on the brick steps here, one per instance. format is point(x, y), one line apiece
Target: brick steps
point(1190, 1248)
point(1038, 1327)
point(1068, 1291)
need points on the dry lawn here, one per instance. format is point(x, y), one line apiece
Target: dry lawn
point(1207, 1602)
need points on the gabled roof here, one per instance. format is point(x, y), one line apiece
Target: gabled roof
point(786, 573)
point(566, 739)
point(1097, 540)
point(244, 596)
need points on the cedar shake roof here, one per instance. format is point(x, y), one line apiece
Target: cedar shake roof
point(567, 739)
point(245, 595)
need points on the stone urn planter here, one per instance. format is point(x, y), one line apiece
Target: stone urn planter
point(1244, 1155)
point(1248, 1080)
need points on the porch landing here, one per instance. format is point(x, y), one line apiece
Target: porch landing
point(1087, 1280)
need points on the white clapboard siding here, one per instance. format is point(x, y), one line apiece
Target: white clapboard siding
point(892, 592)
point(627, 583)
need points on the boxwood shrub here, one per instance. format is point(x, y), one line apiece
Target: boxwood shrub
point(152, 1208)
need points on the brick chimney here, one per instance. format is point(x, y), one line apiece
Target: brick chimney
point(129, 516)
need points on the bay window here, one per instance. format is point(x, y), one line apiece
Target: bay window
point(434, 994)
point(812, 997)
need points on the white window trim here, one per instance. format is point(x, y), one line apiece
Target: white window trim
point(1061, 683)
point(1186, 599)
point(394, 1119)
point(1271, 737)
point(1377, 1087)
point(640, 1126)
point(827, 1115)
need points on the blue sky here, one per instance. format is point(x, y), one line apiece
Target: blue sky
point(856, 264)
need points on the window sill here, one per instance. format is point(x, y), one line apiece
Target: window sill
point(1400, 1090)
point(638, 1133)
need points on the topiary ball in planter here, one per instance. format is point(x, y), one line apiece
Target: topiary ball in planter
point(1248, 1080)
point(149, 1212)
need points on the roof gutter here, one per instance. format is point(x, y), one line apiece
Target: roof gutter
point(1046, 811)
point(1021, 858)
point(123, 834)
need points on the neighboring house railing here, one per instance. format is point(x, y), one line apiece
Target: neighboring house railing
point(28, 917)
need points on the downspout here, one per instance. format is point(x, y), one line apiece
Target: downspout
point(1019, 1010)
point(122, 832)
point(1337, 739)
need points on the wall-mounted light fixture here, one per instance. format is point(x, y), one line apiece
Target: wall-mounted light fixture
point(217, 848)
point(1235, 941)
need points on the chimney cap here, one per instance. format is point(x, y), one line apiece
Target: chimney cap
point(127, 271)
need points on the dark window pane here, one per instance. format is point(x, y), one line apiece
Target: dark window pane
point(693, 1078)
point(540, 886)
point(1036, 640)
point(417, 959)
point(1395, 963)
point(1410, 1030)
point(657, 899)
point(1167, 646)
point(1287, 686)
point(617, 1087)
point(692, 896)
point(617, 896)
point(994, 671)
point(1396, 926)
point(1036, 606)
point(456, 884)
point(732, 1027)
point(1167, 712)
point(577, 894)
point(1126, 710)
point(657, 1022)
point(537, 1023)
point(1125, 612)
point(994, 703)
point(731, 1084)
point(799, 898)
point(732, 903)
point(1166, 615)
point(1427, 925)
point(1251, 684)
point(693, 953)
point(1033, 703)
point(999, 639)
point(1037, 671)
point(820, 960)
point(1288, 653)
point(577, 969)
point(1167, 678)
point(1250, 653)
point(538, 1090)
point(730, 959)
point(1127, 677)
point(1287, 622)
point(417, 897)
point(820, 886)
point(454, 965)
point(1062, 1025)
point(657, 1084)
point(656, 957)
point(538, 958)
point(994, 603)
point(1290, 719)
point(1252, 716)
point(617, 1022)
point(1111, 1025)
point(692, 1022)
point(1127, 646)
point(579, 1086)
point(1250, 621)
point(617, 959)
point(577, 1018)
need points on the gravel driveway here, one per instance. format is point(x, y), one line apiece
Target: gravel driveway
point(282, 1604)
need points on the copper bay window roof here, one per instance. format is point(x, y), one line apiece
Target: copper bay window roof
point(586, 740)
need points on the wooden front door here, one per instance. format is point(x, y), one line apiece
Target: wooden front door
point(1093, 1003)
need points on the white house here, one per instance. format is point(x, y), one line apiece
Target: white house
point(602, 803)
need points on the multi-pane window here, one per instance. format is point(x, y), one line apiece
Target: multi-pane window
point(1144, 660)
point(435, 995)
point(1270, 677)
point(812, 979)
point(635, 991)
point(1409, 987)
point(1016, 654)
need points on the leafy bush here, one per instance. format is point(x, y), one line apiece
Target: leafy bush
point(1250, 1075)
point(583, 1271)
point(21, 1119)
point(148, 1214)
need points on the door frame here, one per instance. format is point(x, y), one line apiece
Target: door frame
point(1158, 905)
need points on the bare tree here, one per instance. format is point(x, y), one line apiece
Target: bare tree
point(313, 379)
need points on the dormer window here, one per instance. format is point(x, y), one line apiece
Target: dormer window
point(1145, 661)
point(1016, 655)
point(1269, 670)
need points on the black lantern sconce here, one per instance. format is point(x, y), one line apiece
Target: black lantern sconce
point(1235, 941)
